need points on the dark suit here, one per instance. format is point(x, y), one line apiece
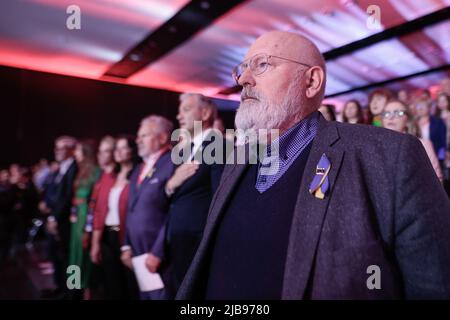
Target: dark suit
point(187, 215)
point(147, 212)
point(385, 207)
point(438, 136)
point(58, 197)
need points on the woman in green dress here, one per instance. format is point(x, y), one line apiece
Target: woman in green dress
point(88, 173)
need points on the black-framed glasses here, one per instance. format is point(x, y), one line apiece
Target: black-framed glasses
point(258, 64)
point(393, 114)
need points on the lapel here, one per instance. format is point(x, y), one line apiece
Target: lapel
point(205, 142)
point(134, 189)
point(309, 214)
point(139, 189)
point(230, 178)
point(228, 183)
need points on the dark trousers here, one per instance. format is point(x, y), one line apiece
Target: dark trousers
point(58, 247)
point(160, 294)
point(6, 236)
point(182, 248)
point(119, 281)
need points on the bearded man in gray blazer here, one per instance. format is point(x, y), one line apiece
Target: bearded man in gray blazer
point(353, 211)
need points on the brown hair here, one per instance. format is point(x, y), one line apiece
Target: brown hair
point(446, 96)
point(331, 110)
point(88, 165)
point(358, 106)
point(382, 92)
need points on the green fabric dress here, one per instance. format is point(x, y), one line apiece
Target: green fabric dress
point(377, 121)
point(78, 256)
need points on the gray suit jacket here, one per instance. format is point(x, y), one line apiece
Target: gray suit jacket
point(385, 207)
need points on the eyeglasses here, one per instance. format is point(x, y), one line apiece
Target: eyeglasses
point(258, 64)
point(393, 114)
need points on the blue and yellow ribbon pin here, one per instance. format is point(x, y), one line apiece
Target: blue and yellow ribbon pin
point(320, 184)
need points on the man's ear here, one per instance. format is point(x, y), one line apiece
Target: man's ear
point(163, 138)
point(206, 114)
point(314, 81)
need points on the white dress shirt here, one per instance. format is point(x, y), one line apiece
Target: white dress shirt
point(63, 168)
point(113, 216)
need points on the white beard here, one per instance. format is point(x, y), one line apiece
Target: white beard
point(264, 114)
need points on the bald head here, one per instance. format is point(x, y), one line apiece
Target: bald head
point(288, 45)
point(288, 87)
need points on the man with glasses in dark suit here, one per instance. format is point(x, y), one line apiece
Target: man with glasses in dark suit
point(352, 211)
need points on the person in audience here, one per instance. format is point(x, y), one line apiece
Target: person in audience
point(56, 204)
point(443, 111)
point(432, 128)
point(105, 159)
point(148, 206)
point(352, 112)
point(25, 206)
point(191, 187)
point(110, 202)
point(88, 174)
point(7, 199)
point(403, 96)
point(377, 101)
point(14, 173)
point(445, 86)
point(328, 112)
point(397, 117)
point(41, 174)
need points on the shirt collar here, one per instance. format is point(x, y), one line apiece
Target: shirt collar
point(65, 165)
point(294, 139)
point(199, 138)
point(151, 160)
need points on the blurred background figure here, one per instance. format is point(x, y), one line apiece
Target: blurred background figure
point(88, 174)
point(352, 112)
point(445, 86)
point(6, 214)
point(118, 158)
point(443, 111)
point(55, 206)
point(41, 174)
point(25, 205)
point(148, 206)
point(14, 173)
point(377, 101)
point(328, 112)
point(191, 187)
point(403, 96)
point(397, 117)
point(432, 128)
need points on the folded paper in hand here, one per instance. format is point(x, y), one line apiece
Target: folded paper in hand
point(147, 281)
